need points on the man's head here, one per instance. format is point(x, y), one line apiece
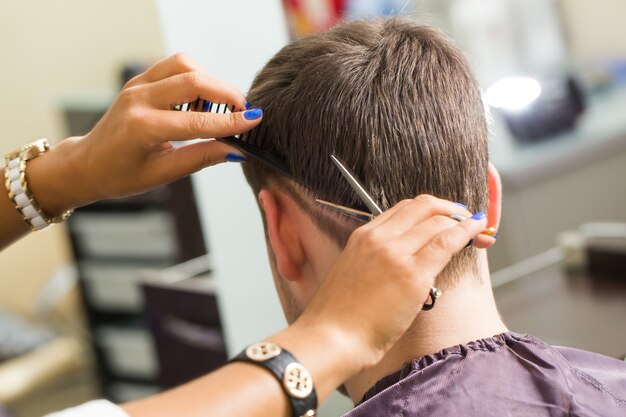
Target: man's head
point(397, 103)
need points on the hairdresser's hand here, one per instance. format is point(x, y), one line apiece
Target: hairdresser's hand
point(409, 245)
point(129, 150)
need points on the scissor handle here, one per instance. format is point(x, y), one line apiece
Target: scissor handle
point(433, 295)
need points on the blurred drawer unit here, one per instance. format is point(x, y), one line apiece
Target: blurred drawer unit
point(184, 319)
point(150, 235)
point(127, 391)
point(128, 352)
point(115, 287)
point(113, 241)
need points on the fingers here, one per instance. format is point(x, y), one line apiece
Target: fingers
point(188, 87)
point(173, 125)
point(484, 242)
point(188, 159)
point(419, 235)
point(412, 224)
point(435, 255)
point(408, 213)
point(383, 217)
point(174, 64)
point(420, 208)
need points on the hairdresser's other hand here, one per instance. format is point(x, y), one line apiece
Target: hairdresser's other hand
point(129, 150)
point(410, 244)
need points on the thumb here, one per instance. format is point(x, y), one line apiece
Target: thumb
point(189, 125)
point(211, 125)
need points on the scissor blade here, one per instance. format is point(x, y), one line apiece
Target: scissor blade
point(354, 213)
point(356, 185)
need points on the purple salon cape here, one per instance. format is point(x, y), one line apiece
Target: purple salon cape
point(506, 375)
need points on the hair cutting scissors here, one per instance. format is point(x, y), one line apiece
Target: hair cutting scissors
point(375, 210)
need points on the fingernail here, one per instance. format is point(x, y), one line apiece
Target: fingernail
point(461, 205)
point(252, 114)
point(495, 236)
point(233, 157)
point(248, 105)
point(479, 216)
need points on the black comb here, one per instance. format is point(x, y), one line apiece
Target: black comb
point(251, 143)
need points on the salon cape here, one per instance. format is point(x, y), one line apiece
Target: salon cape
point(507, 374)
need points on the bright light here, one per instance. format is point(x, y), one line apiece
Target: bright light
point(513, 93)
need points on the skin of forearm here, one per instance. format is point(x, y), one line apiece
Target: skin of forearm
point(234, 390)
point(245, 389)
point(55, 178)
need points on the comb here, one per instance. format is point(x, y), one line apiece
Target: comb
point(251, 142)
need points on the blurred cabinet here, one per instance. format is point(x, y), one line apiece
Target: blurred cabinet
point(113, 241)
point(581, 310)
point(182, 310)
point(534, 215)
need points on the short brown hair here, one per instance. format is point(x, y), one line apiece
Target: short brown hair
point(392, 98)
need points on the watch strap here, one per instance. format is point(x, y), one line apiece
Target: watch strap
point(293, 377)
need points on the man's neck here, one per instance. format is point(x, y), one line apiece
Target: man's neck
point(464, 313)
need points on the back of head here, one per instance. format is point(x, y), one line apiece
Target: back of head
point(393, 99)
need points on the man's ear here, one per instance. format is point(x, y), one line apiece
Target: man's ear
point(282, 230)
point(495, 197)
point(493, 209)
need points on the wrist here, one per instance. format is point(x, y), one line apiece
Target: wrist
point(52, 180)
point(347, 336)
point(329, 353)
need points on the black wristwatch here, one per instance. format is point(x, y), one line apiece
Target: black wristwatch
point(294, 378)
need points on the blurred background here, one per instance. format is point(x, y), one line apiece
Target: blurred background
point(136, 295)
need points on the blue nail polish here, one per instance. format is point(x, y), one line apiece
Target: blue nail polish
point(252, 114)
point(495, 236)
point(233, 157)
point(479, 216)
point(461, 205)
point(248, 105)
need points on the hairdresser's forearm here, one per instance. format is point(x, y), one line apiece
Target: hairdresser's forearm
point(241, 389)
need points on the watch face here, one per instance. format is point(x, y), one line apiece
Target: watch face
point(297, 381)
point(263, 351)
